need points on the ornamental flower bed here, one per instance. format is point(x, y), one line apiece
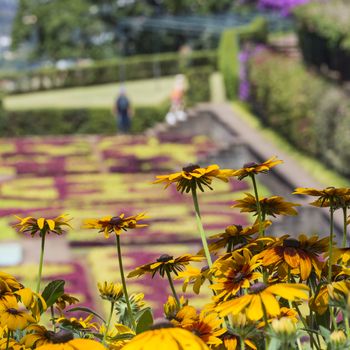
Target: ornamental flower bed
point(266, 292)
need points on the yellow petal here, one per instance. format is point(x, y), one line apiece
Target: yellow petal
point(41, 223)
point(51, 224)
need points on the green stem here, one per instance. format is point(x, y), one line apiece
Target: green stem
point(334, 320)
point(304, 323)
point(108, 323)
point(41, 261)
point(258, 207)
point(200, 227)
point(345, 214)
point(8, 340)
point(267, 325)
point(53, 318)
point(330, 244)
point(347, 327)
point(172, 287)
point(125, 291)
point(242, 343)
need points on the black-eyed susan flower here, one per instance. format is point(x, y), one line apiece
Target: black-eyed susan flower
point(172, 307)
point(326, 197)
point(194, 276)
point(270, 206)
point(110, 291)
point(303, 254)
point(234, 274)
point(66, 342)
point(234, 235)
point(41, 225)
point(32, 301)
point(136, 304)
point(165, 338)
point(186, 315)
point(193, 176)
point(12, 344)
point(64, 300)
point(78, 324)
point(13, 316)
point(208, 327)
point(117, 337)
point(260, 297)
point(253, 168)
point(11, 282)
point(115, 224)
point(163, 264)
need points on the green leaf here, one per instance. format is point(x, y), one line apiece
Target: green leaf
point(53, 291)
point(144, 320)
point(325, 332)
point(86, 309)
point(275, 344)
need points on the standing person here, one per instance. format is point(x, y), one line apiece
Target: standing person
point(122, 110)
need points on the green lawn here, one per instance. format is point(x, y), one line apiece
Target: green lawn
point(141, 93)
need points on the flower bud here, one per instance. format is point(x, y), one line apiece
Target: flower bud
point(338, 337)
point(284, 326)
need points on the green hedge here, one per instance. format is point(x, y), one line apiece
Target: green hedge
point(230, 42)
point(107, 71)
point(75, 121)
point(324, 35)
point(198, 85)
point(311, 113)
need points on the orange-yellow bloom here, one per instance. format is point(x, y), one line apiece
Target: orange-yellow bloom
point(42, 225)
point(115, 224)
point(253, 168)
point(262, 297)
point(193, 177)
point(302, 254)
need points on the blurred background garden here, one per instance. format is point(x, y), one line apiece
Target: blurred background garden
point(262, 78)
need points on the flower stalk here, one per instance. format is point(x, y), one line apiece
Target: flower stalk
point(108, 323)
point(258, 207)
point(125, 291)
point(330, 254)
point(171, 283)
point(345, 217)
point(200, 227)
point(43, 235)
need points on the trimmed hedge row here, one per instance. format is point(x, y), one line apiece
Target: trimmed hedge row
point(198, 85)
point(311, 113)
point(107, 71)
point(324, 35)
point(75, 121)
point(230, 42)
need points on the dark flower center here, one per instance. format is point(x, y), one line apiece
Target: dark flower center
point(12, 311)
point(257, 288)
point(291, 243)
point(250, 165)
point(62, 336)
point(196, 332)
point(239, 228)
point(164, 258)
point(189, 168)
point(116, 221)
point(160, 325)
point(238, 277)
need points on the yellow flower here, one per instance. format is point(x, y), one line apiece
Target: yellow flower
point(186, 315)
point(120, 330)
point(284, 327)
point(32, 301)
point(13, 345)
point(11, 282)
point(110, 291)
point(115, 224)
point(13, 317)
point(74, 344)
point(78, 324)
point(42, 225)
point(64, 300)
point(303, 254)
point(234, 235)
point(208, 327)
point(166, 339)
point(171, 307)
point(272, 206)
point(194, 276)
point(165, 263)
point(253, 168)
point(262, 296)
point(234, 274)
point(327, 196)
point(193, 176)
point(338, 337)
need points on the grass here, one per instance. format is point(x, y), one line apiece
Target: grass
point(141, 93)
point(315, 168)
